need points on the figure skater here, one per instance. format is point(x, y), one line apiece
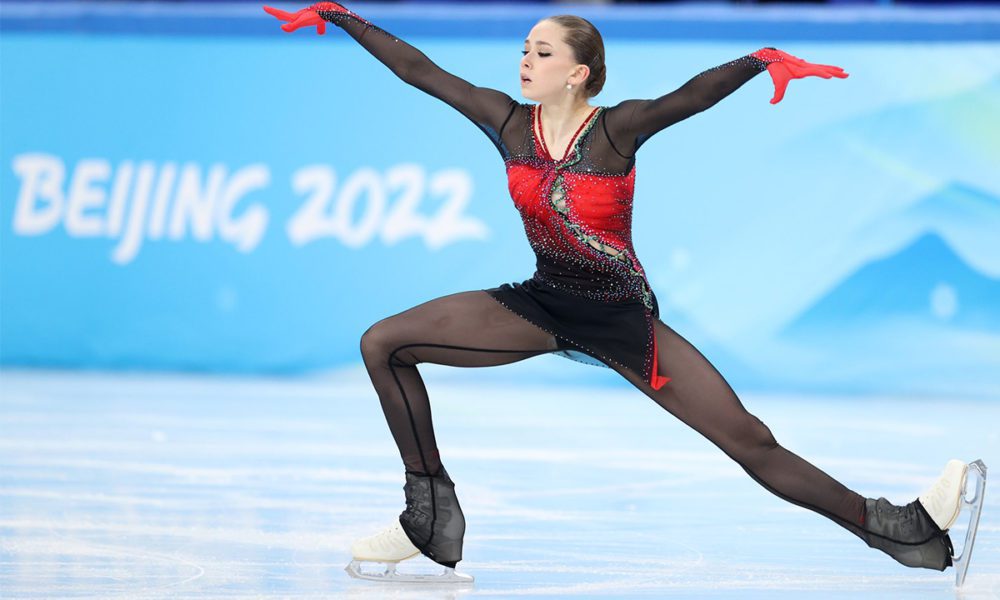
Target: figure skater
point(571, 173)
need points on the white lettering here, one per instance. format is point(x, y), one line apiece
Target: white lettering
point(83, 195)
point(404, 220)
point(361, 181)
point(42, 177)
point(450, 225)
point(193, 204)
point(137, 201)
point(320, 216)
point(246, 231)
point(310, 222)
point(128, 246)
point(161, 199)
point(119, 194)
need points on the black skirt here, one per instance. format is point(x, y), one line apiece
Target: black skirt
point(602, 333)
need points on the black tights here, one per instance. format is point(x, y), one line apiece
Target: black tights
point(471, 329)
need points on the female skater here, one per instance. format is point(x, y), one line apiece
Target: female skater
point(571, 173)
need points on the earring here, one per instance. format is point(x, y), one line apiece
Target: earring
point(569, 86)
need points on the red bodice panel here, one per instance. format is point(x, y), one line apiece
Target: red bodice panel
point(579, 224)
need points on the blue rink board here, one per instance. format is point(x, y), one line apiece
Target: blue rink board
point(347, 196)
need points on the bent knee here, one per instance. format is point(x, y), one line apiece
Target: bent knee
point(376, 340)
point(382, 341)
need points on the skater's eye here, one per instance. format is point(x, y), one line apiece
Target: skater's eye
point(523, 52)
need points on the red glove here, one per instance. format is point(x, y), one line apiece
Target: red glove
point(784, 67)
point(307, 17)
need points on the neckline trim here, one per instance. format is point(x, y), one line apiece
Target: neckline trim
point(539, 134)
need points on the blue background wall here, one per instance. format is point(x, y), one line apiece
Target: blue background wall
point(193, 188)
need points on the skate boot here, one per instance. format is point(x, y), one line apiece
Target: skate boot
point(906, 533)
point(916, 535)
point(387, 548)
point(419, 529)
point(945, 500)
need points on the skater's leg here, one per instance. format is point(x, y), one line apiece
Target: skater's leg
point(467, 329)
point(700, 397)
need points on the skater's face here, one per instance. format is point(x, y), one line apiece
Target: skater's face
point(548, 64)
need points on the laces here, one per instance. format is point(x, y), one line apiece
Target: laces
point(903, 524)
point(904, 513)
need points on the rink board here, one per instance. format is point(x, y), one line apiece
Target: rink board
point(189, 187)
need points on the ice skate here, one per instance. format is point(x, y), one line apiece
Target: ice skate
point(386, 547)
point(432, 524)
point(377, 558)
point(945, 500)
point(916, 535)
point(906, 533)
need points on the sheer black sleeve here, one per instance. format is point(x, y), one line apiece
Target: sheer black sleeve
point(487, 108)
point(631, 122)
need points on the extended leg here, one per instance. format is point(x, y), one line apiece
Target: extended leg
point(700, 397)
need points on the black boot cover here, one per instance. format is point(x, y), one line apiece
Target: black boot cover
point(433, 520)
point(906, 533)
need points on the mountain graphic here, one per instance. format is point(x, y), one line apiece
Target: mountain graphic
point(967, 217)
point(924, 284)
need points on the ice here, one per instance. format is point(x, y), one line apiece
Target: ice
point(136, 485)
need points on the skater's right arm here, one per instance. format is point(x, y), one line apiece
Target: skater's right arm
point(484, 106)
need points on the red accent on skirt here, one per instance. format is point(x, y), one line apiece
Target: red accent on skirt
point(656, 380)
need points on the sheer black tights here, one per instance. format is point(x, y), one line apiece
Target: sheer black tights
point(700, 397)
point(467, 329)
point(471, 329)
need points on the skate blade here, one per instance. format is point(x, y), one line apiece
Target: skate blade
point(386, 571)
point(976, 469)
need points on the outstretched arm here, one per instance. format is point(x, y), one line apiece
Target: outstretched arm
point(484, 106)
point(632, 122)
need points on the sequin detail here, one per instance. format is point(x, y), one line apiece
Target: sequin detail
point(338, 14)
point(766, 56)
point(578, 223)
point(581, 235)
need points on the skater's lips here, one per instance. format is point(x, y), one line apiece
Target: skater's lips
point(525, 79)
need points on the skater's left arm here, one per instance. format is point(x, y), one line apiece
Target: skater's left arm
point(632, 122)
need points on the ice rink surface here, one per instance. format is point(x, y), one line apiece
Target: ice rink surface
point(179, 486)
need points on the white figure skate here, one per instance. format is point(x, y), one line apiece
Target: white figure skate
point(945, 500)
point(387, 548)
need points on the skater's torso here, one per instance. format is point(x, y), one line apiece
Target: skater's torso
point(576, 210)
